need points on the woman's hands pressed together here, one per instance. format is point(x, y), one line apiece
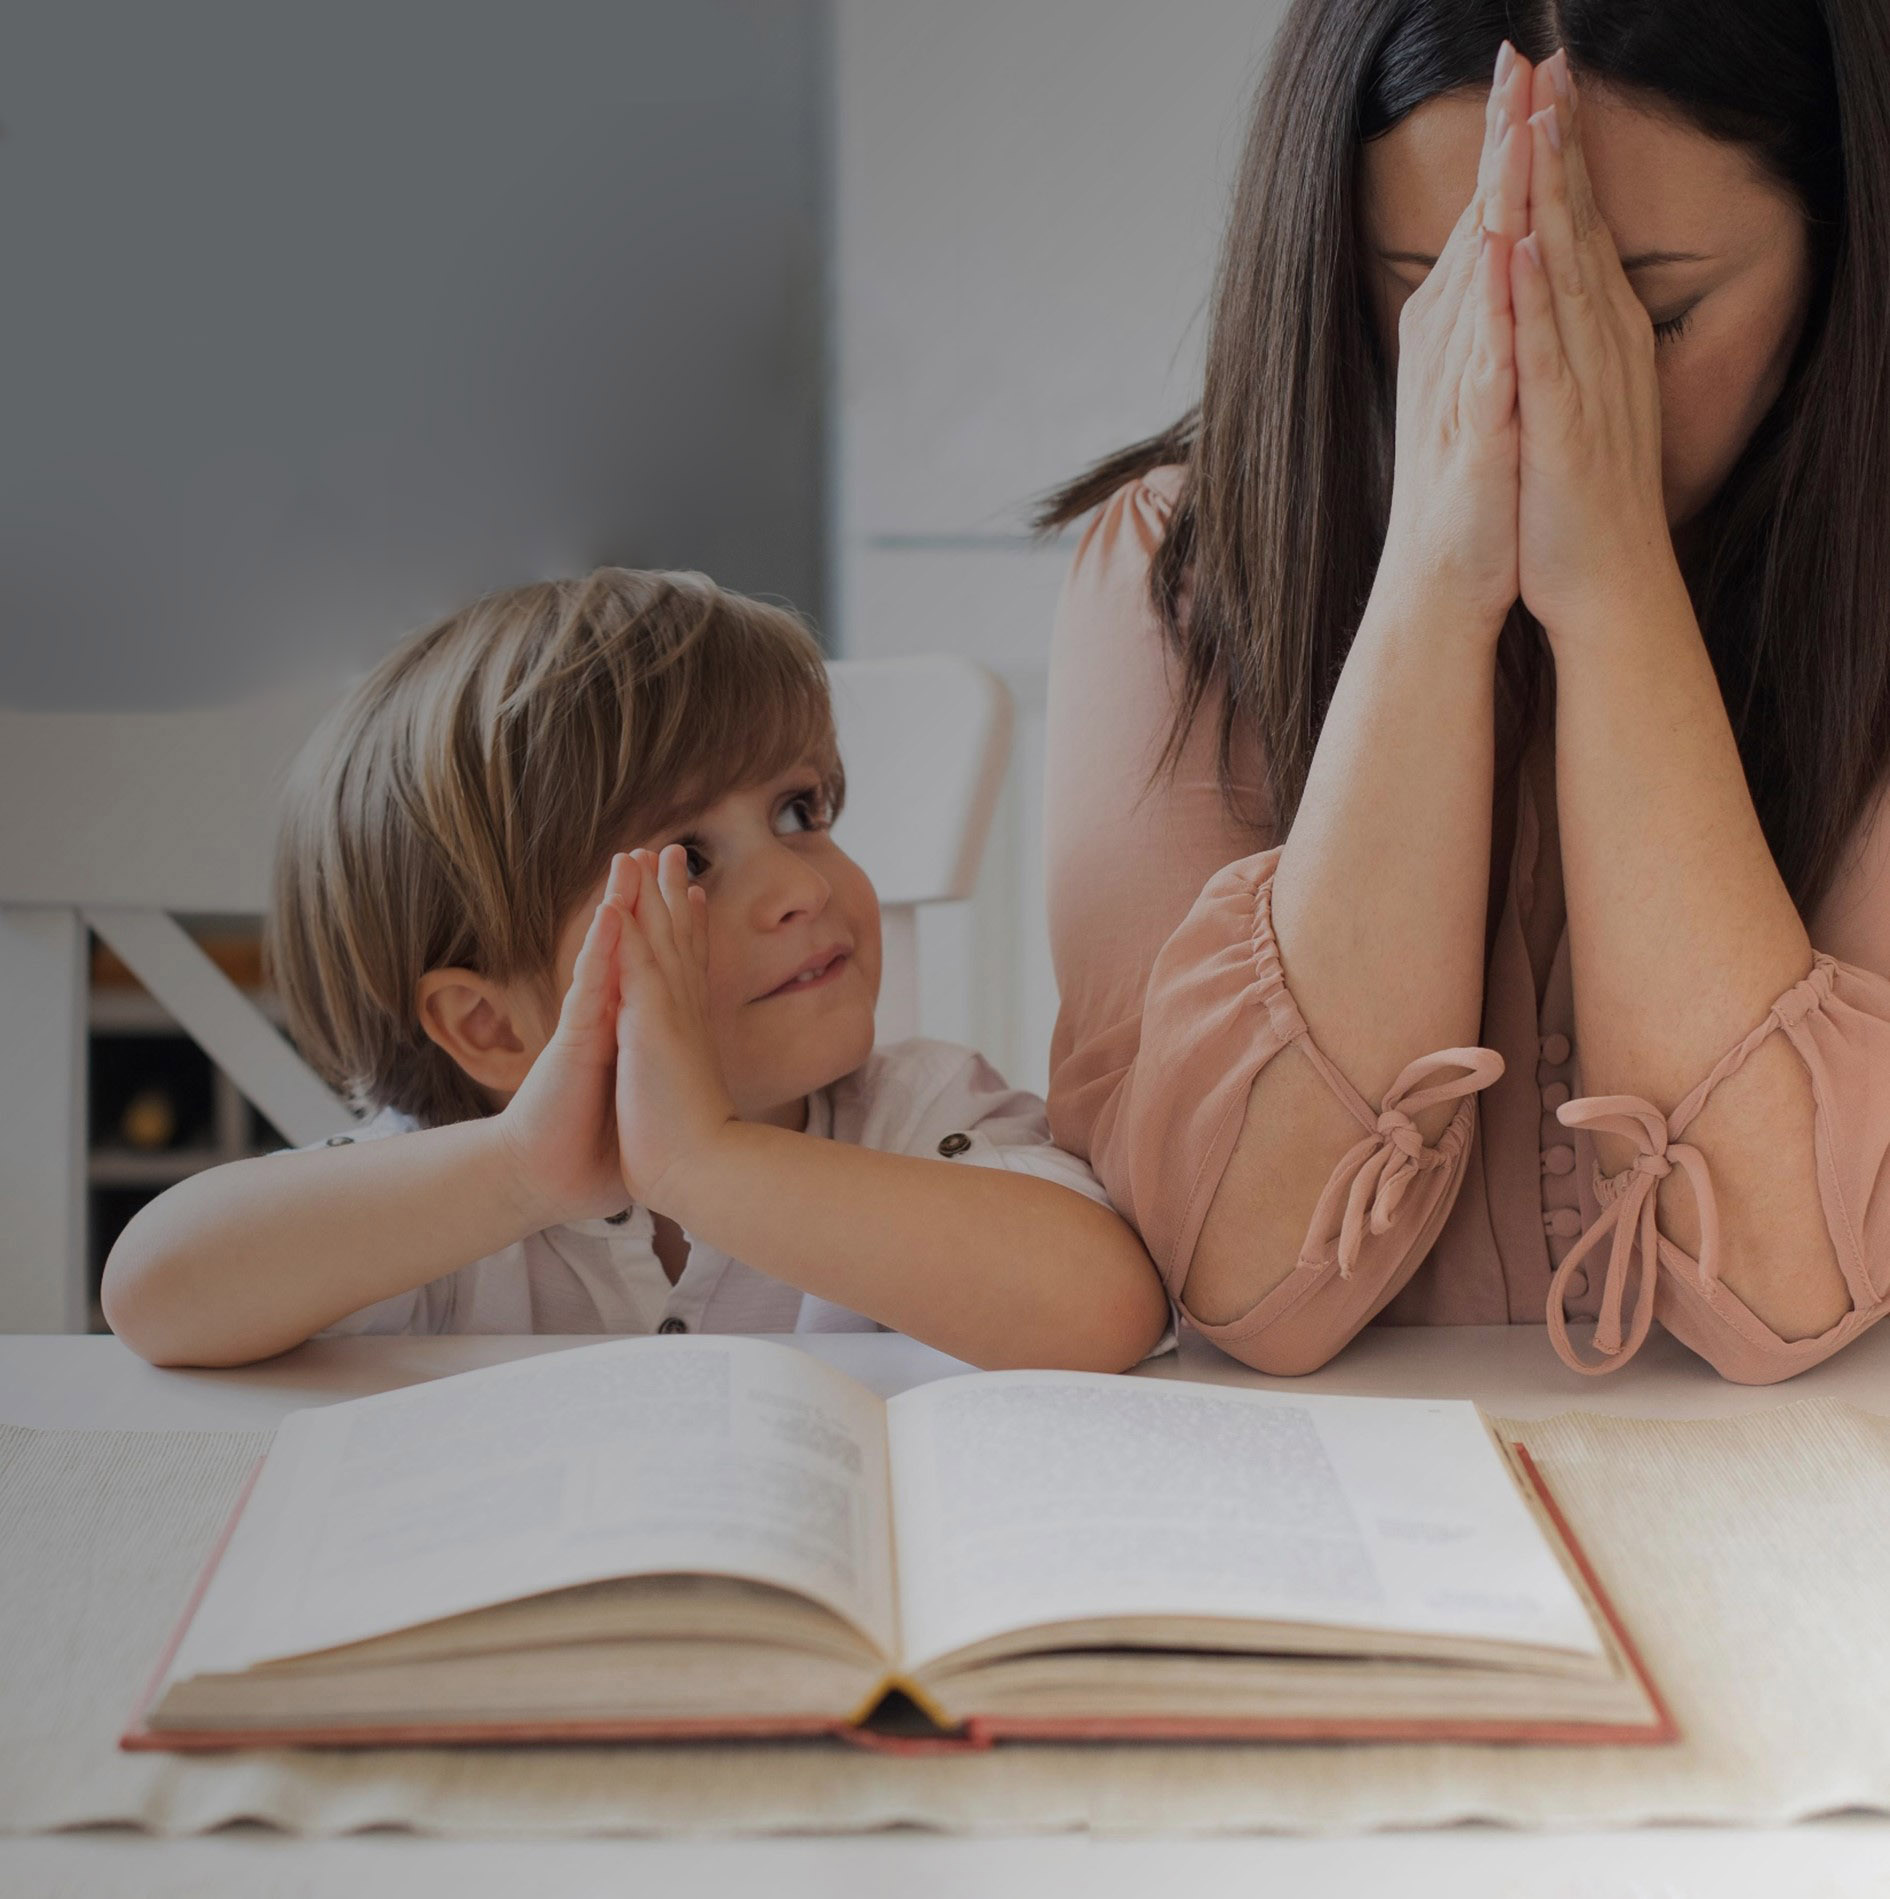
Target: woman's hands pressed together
point(1592, 528)
point(1528, 461)
point(1454, 487)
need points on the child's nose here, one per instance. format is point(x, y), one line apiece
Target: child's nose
point(790, 887)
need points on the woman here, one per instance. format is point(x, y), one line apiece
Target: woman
point(1483, 699)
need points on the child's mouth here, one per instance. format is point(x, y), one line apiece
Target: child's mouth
point(812, 978)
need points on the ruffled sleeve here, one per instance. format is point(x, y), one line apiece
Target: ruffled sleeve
point(1173, 996)
point(1217, 1010)
point(1838, 1020)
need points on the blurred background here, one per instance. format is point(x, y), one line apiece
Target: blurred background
point(320, 320)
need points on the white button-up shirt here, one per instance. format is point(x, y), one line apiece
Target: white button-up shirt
point(918, 1097)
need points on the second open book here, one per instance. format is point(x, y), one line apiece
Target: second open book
point(708, 1536)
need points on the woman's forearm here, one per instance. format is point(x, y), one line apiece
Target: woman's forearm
point(1379, 902)
point(247, 1260)
point(1380, 896)
point(1681, 935)
point(1002, 1269)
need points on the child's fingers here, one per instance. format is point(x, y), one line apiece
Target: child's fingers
point(636, 961)
point(699, 925)
point(621, 886)
point(590, 999)
point(653, 910)
point(672, 877)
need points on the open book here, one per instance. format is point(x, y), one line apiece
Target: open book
point(675, 1537)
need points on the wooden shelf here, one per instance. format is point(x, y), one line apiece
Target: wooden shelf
point(134, 1012)
point(118, 1176)
point(159, 1167)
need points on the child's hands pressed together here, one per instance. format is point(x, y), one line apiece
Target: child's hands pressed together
point(558, 1131)
point(672, 1103)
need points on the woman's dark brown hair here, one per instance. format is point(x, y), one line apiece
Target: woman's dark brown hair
point(1288, 456)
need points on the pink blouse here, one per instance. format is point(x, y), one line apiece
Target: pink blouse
point(1173, 999)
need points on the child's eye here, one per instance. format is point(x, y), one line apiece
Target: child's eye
point(807, 809)
point(696, 858)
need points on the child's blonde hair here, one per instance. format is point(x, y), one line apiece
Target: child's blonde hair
point(458, 805)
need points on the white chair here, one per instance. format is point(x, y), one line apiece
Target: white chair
point(121, 822)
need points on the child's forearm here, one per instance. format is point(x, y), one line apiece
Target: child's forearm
point(247, 1260)
point(998, 1268)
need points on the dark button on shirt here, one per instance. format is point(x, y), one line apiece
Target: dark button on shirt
point(953, 1145)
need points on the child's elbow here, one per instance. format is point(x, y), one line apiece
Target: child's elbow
point(1117, 1329)
point(131, 1311)
point(147, 1309)
point(1139, 1330)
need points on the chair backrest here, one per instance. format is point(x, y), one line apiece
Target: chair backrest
point(120, 822)
point(176, 811)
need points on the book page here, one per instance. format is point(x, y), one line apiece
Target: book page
point(1033, 1497)
point(724, 1456)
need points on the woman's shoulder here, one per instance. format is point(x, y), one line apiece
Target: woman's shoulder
point(1106, 605)
point(1133, 522)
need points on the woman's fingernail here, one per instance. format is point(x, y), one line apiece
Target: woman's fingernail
point(1551, 126)
point(1558, 72)
point(1505, 61)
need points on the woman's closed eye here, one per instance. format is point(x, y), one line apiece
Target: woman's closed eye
point(1669, 329)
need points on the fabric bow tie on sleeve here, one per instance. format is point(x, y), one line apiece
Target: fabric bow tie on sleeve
point(1628, 1223)
point(1374, 1175)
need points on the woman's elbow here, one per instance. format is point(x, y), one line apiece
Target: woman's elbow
point(1254, 1296)
point(1284, 1352)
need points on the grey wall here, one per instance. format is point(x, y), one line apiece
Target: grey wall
point(318, 319)
point(1029, 199)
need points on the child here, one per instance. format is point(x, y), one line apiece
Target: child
point(557, 900)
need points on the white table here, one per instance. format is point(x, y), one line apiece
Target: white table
point(94, 1383)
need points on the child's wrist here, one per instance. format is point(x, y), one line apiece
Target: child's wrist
point(695, 1182)
point(510, 1170)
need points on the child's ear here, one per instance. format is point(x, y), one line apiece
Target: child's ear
point(476, 1021)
